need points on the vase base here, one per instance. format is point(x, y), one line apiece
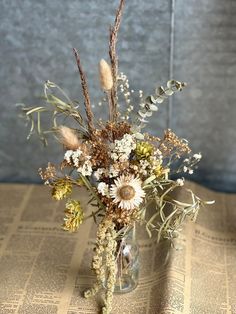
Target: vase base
point(125, 285)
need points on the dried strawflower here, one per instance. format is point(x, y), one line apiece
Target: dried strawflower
point(127, 192)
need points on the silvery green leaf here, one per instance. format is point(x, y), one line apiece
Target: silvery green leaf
point(142, 105)
point(153, 99)
point(160, 91)
point(49, 84)
point(148, 113)
point(148, 100)
point(178, 85)
point(143, 120)
point(139, 136)
point(169, 92)
point(142, 114)
point(171, 84)
point(209, 202)
point(149, 180)
point(159, 99)
point(175, 85)
point(153, 107)
point(135, 128)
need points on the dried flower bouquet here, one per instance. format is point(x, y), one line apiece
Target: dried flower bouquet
point(123, 168)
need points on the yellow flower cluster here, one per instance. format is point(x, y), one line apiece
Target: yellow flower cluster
point(159, 171)
point(73, 216)
point(61, 189)
point(143, 150)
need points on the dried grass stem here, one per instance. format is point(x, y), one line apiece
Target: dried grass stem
point(84, 85)
point(113, 57)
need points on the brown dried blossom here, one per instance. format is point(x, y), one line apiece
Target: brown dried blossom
point(121, 217)
point(49, 173)
point(172, 144)
point(113, 131)
point(100, 154)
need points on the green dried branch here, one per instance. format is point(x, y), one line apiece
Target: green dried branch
point(170, 213)
point(57, 108)
point(148, 106)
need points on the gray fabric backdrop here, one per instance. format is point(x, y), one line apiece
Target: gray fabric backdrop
point(193, 41)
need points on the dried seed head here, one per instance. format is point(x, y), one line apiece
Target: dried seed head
point(105, 75)
point(68, 138)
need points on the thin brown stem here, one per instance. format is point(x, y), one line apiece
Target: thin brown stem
point(113, 57)
point(84, 85)
point(108, 93)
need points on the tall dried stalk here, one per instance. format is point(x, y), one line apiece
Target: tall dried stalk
point(84, 85)
point(113, 57)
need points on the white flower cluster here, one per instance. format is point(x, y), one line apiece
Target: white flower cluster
point(86, 168)
point(197, 156)
point(72, 156)
point(188, 170)
point(80, 161)
point(144, 166)
point(148, 166)
point(121, 149)
point(189, 163)
point(111, 173)
point(99, 172)
point(103, 188)
point(180, 181)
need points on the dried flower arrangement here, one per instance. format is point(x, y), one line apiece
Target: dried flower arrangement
point(123, 168)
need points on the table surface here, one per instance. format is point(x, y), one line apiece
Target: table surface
point(43, 269)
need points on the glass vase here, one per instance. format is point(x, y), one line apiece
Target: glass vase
point(127, 259)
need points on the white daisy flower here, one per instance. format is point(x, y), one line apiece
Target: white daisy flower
point(127, 192)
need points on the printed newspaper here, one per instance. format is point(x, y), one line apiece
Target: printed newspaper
point(44, 270)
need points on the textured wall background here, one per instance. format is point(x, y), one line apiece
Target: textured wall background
point(193, 41)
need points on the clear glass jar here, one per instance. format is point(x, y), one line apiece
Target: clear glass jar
point(127, 259)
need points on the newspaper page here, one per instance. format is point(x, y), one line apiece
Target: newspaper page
point(45, 270)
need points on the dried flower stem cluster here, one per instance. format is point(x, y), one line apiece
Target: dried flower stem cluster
point(123, 169)
point(104, 263)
